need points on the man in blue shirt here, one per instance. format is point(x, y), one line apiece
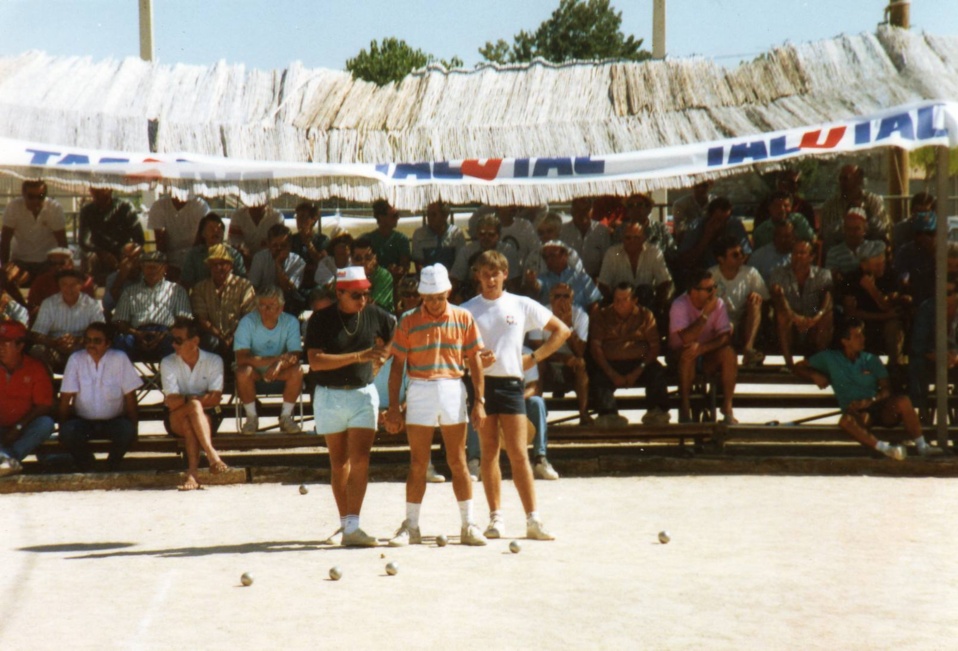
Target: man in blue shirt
point(861, 385)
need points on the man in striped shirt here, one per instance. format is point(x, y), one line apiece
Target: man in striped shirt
point(62, 320)
point(433, 344)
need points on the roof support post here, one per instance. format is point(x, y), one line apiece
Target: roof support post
point(897, 14)
point(941, 274)
point(146, 30)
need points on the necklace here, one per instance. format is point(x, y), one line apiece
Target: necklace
point(359, 321)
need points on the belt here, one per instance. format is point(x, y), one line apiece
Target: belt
point(346, 388)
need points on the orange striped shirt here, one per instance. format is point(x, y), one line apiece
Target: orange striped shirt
point(436, 347)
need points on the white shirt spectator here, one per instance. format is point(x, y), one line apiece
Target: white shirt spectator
point(180, 225)
point(33, 236)
point(650, 268)
point(252, 236)
point(735, 291)
point(179, 379)
point(100, 387)
point(56, 318)
point(262, 271)
point(326, 271)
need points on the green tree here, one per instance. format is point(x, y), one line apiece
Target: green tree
point(578, 29)
point(392, 61)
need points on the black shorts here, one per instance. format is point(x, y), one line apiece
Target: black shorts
point(504, 395)
point(215, 416)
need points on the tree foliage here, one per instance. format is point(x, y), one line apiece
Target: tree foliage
point(577, 29)
point(391, 61)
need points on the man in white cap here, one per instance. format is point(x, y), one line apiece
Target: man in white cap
point(344, 342)
point(433, 344)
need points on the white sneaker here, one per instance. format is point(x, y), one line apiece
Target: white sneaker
point(496, 527)
point(406, 535)
point(544, 470)
point(470, 535)
point(251, 426)
point(287, 425)
point(896, 452)
point(432, 476)
point(536, 531)
point(474, 469)
point(358, 538)
point(9, 466)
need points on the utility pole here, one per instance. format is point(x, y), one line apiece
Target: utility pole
point(146, 30)
point(659, 197)
point(897, 14)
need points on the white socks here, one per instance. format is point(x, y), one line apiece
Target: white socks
point(250, 408)
point(883, 446)
point(465, 512)
point(532, 515)
point(287, 409)
point(351, 523)
point(921, 443)
point(412, 514)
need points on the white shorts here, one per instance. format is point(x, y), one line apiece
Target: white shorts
point(337, 410)
point(431, 403)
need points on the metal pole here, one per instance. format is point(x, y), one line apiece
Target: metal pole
point(658, 29)
point(146, 30)
point(899, 175)
point(941, 317)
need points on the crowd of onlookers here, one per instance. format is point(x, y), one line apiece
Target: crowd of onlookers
point(706, 294)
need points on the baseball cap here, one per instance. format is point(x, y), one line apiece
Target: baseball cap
point(12, 330)
point(926, 222)
point(352, 278)
point(218, 252)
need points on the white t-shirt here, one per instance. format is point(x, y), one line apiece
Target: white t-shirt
point(179, 379)
point(33, 236)
point(253, 236)
point(580, 325)
point(503, 324)
point(180, 225)
point(100, 388)
point(735, 291)
point(650, 269)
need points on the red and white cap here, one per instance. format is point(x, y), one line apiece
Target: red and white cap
point(352, 278)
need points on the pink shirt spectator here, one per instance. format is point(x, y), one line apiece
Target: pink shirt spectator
point(683, 313)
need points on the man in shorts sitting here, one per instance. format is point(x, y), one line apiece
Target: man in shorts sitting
point(434, 343)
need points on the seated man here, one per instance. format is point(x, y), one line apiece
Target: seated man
point(127, 273)
point(309, 242)
point(175, 222)
point(904, 231)
point(209, 233)
point(868, 293)
point(146, 312)
point(37, 224)
point(268, 348)
point(696, 247)
point(699, 329)
point(340, 247)
point(852, 193)
point(744, 292)
point(640, 264)
point(861, 385)
point(786, 181)
point(220, 301)
point(624, 347)
point(566, 367)
point(802, 295)
point(558, 270)
point(843, 257)
point(381, 290)
point(777, 253)
point(437, 240)
point(26, 400)
point(488, 238)
point(249, 228)
point(519, 231)
point(390, 246)
point(278, 266)
point(106, 224)
point(46, 285)
point(914, 265)
point(779, 212)
point(193, 386)
point(691, 208)
point(98, 399)
point(62, 320)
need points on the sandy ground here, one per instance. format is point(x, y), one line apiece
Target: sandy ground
point(754, 562)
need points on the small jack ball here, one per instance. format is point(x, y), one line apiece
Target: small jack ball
point(335, 573)
point(442, 540)
point(246, 579)
point(664, 537)
point(303, 490)
point(392, 568)
point(515, 547)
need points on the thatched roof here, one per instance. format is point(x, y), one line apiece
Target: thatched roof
point(539, 109)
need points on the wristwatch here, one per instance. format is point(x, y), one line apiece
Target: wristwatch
point(482, 399)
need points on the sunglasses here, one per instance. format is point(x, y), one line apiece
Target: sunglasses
point(179, 341)
point(710, 289)
point(35, 197)
point(357, 296)
point(94, 340)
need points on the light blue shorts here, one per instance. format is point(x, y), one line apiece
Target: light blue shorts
point(337, 410)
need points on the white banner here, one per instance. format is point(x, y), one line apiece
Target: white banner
point(909, 127)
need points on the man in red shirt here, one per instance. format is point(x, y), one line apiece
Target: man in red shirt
point(26, 399)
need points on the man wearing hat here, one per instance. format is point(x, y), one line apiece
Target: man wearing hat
point(220, 301)
point(62, 320)
point(914, 266)
point(346, 342)
point(26, 399)
point(802, 295)
point(869, 294)
point(45, 285)
point(146, 311)
point(851, 193)
point(433, 345)
point(843, 258)
point(555, 255)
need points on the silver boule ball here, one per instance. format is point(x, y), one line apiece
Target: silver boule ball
point(442, 540)
point(246, 579)
point(303, 490)
point(664, 537)
point(335, 573)
point(392, 568)
point(515, 547)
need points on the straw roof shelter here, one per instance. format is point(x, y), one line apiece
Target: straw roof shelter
point(537, 109)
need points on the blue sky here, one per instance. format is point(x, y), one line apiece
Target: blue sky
point(269, 34)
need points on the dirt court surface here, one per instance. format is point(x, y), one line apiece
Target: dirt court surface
point(754, 562)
